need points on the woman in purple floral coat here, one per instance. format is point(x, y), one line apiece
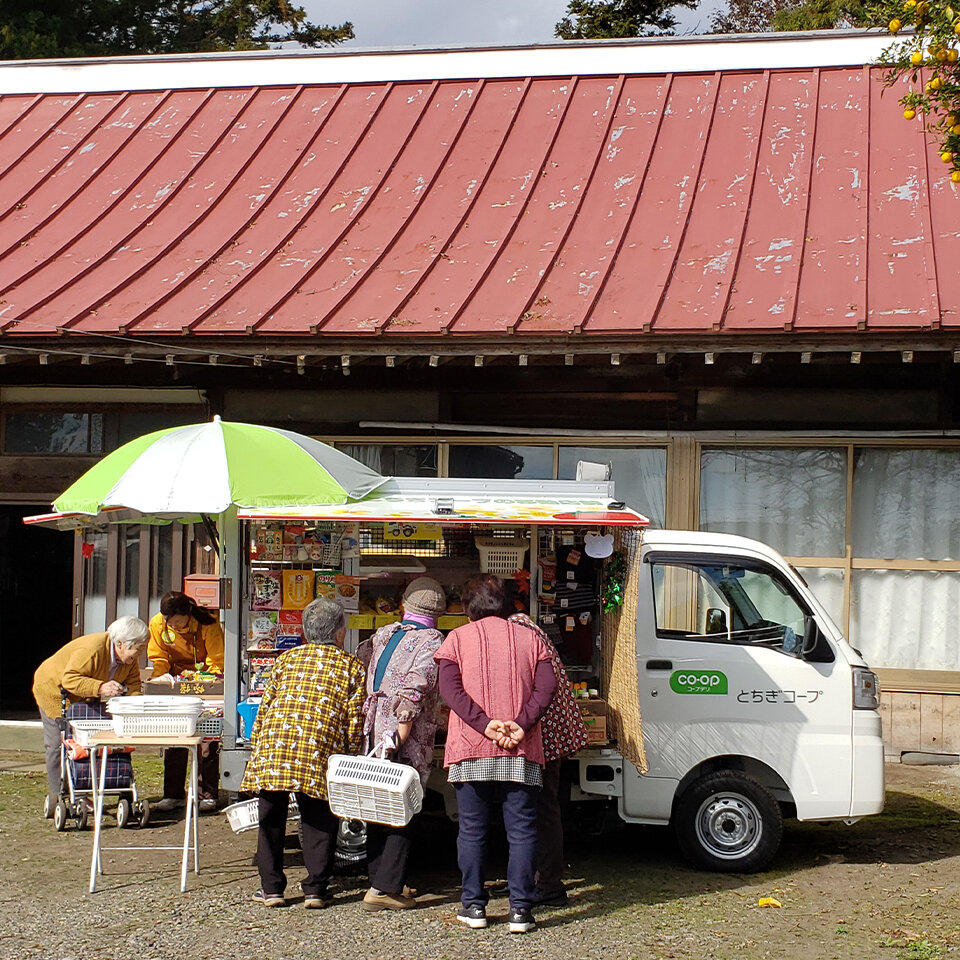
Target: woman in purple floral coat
point(402, 702)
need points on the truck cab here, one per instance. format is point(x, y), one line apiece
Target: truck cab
point(753, 705)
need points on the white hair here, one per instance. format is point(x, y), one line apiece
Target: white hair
point(128, 632)
point(322, 620)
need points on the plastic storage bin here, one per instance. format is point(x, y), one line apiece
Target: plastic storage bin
point(501, 554)
point(374, 790)
point(145, 716)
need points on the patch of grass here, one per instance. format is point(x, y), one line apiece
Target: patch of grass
point(920, 950)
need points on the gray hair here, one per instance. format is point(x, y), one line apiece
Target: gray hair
point(128, 632)
point(321, 621)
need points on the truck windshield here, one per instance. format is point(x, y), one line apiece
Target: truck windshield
point(726, 602)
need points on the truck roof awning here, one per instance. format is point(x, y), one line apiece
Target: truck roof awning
point(497, 511)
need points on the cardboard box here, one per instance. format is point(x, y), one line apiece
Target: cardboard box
point(596, 728)
point(594, 714)
point(192, 688)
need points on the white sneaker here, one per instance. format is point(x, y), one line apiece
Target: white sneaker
point(169, 803)
point(207, 804)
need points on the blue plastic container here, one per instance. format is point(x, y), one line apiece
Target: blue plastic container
point(248, 713)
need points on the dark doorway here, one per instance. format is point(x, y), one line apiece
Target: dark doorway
point(36, 604)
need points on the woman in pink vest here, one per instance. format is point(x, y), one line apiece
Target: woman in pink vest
point(497, 679)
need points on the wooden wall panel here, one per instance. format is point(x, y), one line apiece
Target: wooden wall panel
point(931, 722)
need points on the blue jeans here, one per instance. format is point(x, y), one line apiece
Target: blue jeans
point(519, 819)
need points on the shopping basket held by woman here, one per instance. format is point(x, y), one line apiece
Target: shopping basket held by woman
point(402, 707)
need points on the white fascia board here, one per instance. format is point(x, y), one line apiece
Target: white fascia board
point(658, 55)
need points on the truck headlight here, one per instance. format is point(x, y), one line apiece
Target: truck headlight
point(866, 689)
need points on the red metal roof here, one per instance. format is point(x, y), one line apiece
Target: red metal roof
point(735, 201)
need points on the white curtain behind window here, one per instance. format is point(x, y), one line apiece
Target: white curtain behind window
point(906, 504)
point(366, 453)
point(792, 499)
point(640, 475)
point(908, 619)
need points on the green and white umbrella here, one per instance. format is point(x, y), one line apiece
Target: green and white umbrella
point(207, 467)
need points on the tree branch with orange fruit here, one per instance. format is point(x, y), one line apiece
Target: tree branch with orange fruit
point(929, 58)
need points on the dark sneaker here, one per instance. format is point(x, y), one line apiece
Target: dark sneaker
point(269, 899)
point(316, 901)
point(521, 921)
point(555, 898)
point(474, 916)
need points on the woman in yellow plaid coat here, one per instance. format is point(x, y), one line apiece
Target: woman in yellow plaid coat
point(312, 707)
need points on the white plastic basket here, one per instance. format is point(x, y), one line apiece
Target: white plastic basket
point(501, 554)
point(374, 790)
point(155, 716)
point(155, 704)
point(83, 730)
point(245, 815)
point(132, 725)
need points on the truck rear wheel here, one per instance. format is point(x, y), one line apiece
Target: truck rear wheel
point(729, 823)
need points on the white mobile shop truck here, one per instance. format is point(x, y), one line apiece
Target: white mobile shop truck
point(753, 704)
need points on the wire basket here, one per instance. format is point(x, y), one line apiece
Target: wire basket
point(245, 815)
point(373, 790)
point(210, 726)
point(501, 554)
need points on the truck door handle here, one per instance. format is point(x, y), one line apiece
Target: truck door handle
point(659, 665)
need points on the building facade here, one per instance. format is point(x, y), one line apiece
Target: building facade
point(725, 266)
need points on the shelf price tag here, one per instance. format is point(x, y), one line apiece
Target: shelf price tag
point(406, 530)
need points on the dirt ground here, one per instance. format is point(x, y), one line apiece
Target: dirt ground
point(887, 887)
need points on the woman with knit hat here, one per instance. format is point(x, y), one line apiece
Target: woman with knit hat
point(402, 704)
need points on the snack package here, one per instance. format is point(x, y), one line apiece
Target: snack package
point(289, 629)
point(260, 668)
point(262, 629)
point(269, 544)
point(350, 540)
point(267, 590)
point(297, 589)
point(326, 584)
point(292, 533)
point(348, 592)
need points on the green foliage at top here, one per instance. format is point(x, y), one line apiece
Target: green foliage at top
point(599, 19)
point(83, 28)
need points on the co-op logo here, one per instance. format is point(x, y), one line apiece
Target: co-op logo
point(698, 681)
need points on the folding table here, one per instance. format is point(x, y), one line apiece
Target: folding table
point(99, 746)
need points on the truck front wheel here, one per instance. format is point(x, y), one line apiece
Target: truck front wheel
point(729, 823)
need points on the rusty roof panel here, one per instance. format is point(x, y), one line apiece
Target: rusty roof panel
point(742, 201)
point(833, 270)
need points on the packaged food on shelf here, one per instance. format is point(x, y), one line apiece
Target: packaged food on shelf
point(267, 590)
point(262, 629)
point(298, 589)
point(269, 544)
point(289, 629)
point(325, 584)
point(348, 592)
point(260, 668)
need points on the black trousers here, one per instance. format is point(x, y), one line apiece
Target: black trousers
point(388, 853)
point(175, 772)
point(550, 860)
point(319, 830)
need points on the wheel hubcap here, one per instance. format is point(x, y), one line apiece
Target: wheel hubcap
point(729, 826)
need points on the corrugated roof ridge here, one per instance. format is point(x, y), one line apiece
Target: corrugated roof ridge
point(194, 223)
point(37, 304)
point(416, 287)
point(246, 278)
point(505, 240)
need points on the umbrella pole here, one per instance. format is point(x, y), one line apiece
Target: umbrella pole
point(231, 569)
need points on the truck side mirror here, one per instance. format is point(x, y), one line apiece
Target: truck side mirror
point(716, 620)
point(811, 636)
